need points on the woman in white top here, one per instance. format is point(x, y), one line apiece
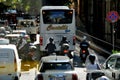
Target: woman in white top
point(91, 64)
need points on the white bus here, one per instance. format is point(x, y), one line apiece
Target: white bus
point(56, 22)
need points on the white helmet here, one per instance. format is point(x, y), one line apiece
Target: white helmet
point(103, 78)
point(33, 48)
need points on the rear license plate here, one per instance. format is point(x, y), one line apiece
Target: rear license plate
point(83, 55)
point(57, 78)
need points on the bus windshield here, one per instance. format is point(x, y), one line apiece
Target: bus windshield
point(57, 16)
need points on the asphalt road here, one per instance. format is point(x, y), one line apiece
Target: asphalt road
point(79, 67)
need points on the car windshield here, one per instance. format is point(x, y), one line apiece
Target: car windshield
point(56, 66)
point(27, 23)
point(117, 66)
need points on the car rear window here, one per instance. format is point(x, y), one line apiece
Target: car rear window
point(6, 53)
point(56, 66)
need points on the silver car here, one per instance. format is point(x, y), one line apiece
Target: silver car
point(56, 68)
point(111, 67)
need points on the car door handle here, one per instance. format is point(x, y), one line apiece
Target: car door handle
point(113, 75)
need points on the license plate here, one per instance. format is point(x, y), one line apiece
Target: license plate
point(83, 55)
point(57, 78)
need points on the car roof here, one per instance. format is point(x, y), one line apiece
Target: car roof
point(55, 59)
point(55, 7)
point(115, 55)
point(13, 35)
point(20, 31)
point(4, 41)
point(9, 46)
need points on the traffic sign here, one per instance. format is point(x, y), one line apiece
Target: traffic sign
point(112, 16)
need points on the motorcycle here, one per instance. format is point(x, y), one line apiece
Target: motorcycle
point(65, 50)
point(84, 52)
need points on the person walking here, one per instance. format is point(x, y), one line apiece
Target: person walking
point(50, 47)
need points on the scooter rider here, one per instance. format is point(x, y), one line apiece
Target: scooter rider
point(64, 44)
point(50, 47)
point(84, 42)
point(91, 65)
point(84, 49)
point(64, 40)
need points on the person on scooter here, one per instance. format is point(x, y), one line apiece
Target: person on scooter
point(64, 44)
point(64, 40)
point(84, 42)
point(91, 64)
point(50, 47)
point(84, 49)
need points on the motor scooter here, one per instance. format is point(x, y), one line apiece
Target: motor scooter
point(84, 52)
point(65, 50)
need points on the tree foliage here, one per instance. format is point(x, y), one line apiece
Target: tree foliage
point(28, 5)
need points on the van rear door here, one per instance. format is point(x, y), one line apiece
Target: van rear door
point(7, 61)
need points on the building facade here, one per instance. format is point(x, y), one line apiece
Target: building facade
point(93, 15)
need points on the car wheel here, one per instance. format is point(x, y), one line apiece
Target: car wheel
point(16, 78)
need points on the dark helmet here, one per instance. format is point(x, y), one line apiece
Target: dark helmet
point(64, 38)
point(51, 39)
point(92, 58)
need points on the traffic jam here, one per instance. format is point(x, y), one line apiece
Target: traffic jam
point(50, 50)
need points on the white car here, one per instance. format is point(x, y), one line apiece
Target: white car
point(10, 64)
point(111, 67)
point(56, 68)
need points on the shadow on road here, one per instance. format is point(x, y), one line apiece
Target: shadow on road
point(77, 61)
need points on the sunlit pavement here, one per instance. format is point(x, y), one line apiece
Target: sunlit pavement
point(28, 75)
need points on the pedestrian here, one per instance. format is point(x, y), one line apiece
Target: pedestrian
point(50, 47)
point(91, 65)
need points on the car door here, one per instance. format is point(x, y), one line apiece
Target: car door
point(110, 67)
point(116, 73)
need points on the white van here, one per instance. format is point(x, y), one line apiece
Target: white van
point(10, 64)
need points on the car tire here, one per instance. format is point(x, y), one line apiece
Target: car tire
point(16, 78)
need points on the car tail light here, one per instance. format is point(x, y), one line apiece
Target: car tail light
point(15, 64)
point(83, 51)
point(74, 77)
point(41, 40)
point(74, 39)
point(40, 77)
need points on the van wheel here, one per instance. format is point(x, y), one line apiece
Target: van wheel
point(16, 78)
